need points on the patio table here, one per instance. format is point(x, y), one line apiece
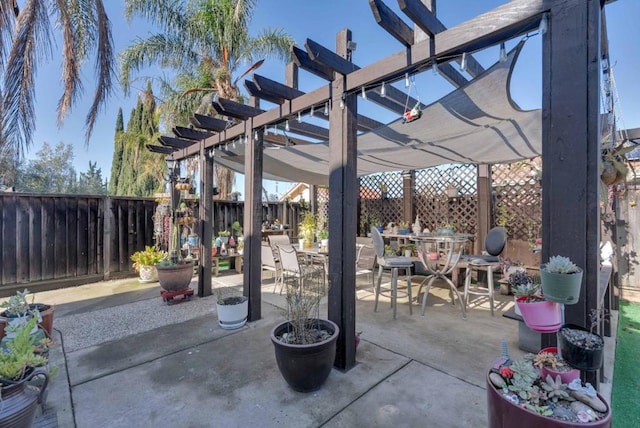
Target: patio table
point(439, 254)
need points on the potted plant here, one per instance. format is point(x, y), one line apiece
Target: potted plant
point(17, 311)
point(237, 229)
point(518, 396)
point(307, 229)
point(550, 363)
point(522, 280)
point(447, 228)
point(174, 275)
point(144, 263)
point(538, 314)
point(21, 361)
point(232, 309)
point(376, 222)
point(561, 280)
point(224, 236)
point(323, 237)
point(304, 344)
point(581, 348)
point(403, 228)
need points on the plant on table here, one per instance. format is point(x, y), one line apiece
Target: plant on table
point(307, 227)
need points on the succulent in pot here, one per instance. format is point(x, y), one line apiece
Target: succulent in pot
point(539, 314)
point(561, 280)
point(144, 263)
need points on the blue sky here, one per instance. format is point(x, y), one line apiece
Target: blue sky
point(320, 21)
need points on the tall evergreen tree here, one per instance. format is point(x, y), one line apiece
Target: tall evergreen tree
point(91, 182)
point(118, 148)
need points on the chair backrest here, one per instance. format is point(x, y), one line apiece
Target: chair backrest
point(266, 253)
point(366, 256)
point(495, 241)
point(278, 239)
point(288, 257)
point(378, 242)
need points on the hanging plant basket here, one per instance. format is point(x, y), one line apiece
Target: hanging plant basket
point(543, 316)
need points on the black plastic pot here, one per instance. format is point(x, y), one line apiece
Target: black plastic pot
point(585, 354)
point(305, 367)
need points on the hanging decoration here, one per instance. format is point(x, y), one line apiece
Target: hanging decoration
point(414, 113)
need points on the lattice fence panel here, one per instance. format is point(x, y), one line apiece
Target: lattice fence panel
point(517, 198)
point(381, 197)
point(322, 211)
point(435, 207)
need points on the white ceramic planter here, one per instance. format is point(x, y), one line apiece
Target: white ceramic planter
point(233, 316)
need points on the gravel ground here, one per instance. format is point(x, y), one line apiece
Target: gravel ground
point(104, 325)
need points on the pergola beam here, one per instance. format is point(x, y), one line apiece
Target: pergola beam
point(160, 149)
point(191, 134)
point(254, 91)
point(234, 109)
point(177, 143)
point(387, 19)
point(302, 60)
point(209, 123)
point(277, 89)
point(430, 24)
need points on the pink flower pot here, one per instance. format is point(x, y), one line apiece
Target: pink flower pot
point(566, 377)
point(543, 317)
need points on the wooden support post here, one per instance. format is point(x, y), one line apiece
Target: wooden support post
point(408, 180)
point(109, 227)
point(484, 206)
point(205, 219)
point(343, 196)
point(253, 223)
point(571, 148)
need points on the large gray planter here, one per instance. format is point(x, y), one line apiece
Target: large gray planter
point(175, 277)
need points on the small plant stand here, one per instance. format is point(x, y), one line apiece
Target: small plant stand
point(170, 296)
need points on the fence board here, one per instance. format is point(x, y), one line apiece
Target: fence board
point(72, 237)
point(48, 234)
point(35, 240)
point(22, 240)
point(82, 238)
point(9, 241)
point(60, 238)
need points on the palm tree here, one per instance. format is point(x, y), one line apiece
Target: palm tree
point(85, 28)
point(206, 42)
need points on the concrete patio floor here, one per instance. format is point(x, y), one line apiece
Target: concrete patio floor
point(126, 359)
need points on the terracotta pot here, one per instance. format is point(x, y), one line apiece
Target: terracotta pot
point(175, 277)
point(305, 367)
point(505, 414)
point(46, 313)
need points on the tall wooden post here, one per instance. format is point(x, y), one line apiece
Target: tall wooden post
point(408, 203)
point(253, 222)
point(205, 219)
point(571, 147)
point(343, 197)
point(484, 205)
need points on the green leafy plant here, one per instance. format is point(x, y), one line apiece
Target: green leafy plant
point(224, 233)
point(307, 227)
point(17, 304)
point(237, 228)
point(21, 354)
point(561, 265)
point(532, 292)
point(403, 224)
point(556, 390)
point(149, 257)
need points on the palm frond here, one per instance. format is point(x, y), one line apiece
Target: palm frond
point(7, 20)
point(104, 67)
point(158, 48)
point(169, 16)
point(70, 64)
point(31, 43)
point(273, 43)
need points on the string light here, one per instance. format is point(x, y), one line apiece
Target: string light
point(434, 68)
point(299, 117)
point(463, 62)
point(311, 112)
point(256, 136)
point(503, 53)
point(286, 126)
point(543, 24)
point(383, 91)
point(233, 145)
point(364, 94)
point(326, 108)
point(342, 103)
point(406, 80)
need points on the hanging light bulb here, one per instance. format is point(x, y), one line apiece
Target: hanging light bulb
point(211, 153)
point(233, 145)
point(326, 108)
point(364, 94)
point(463, 62)
point(503, 53)
point(434, 68)
point(286, 125)
point(299, 117)
point(256, 136)
point(342, 103)
point(226, 146)
point(543, 24)
point(312, 111)
point(406, 80)
point(383, 91)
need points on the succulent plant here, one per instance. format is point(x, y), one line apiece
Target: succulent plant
point(524, 370)
point(548, 359)
point(541, 410)
point(521, 387)
point(520, 278)
point(528, 290)
point(560, 264)
point(556, 390)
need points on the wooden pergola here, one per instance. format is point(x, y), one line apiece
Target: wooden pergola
point(574, 47)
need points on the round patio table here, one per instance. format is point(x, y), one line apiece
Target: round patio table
point(439, 254)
